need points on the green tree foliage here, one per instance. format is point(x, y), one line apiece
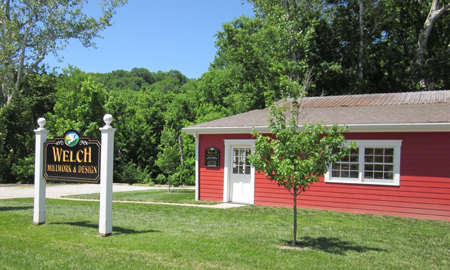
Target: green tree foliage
point(35, 98)
point(345, 51)
point(391, 33)
point(139, 119)
point(296, 156)
point(80, 105)
point(169, 155)
point(253, 57)
point(32, 29)
point(139, 78)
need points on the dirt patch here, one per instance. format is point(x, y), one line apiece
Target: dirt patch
point(300, 248)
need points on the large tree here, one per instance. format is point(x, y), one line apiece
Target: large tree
point(436, 11)
point(32, 29)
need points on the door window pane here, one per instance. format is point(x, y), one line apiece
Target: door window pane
point(241, 165)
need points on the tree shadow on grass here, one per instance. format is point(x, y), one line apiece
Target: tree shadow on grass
point(13, 208)
point(116, 230)
point(332, 245)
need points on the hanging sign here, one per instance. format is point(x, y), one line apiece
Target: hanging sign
point(212, 157)
point(72, 158)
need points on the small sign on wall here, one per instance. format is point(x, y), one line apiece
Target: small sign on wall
point(72, 158)
point(212, 157)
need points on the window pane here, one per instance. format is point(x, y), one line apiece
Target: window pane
point(379, 168)
point(345, 167)
point(379, 151)
point(354, 175)
point(388, 168)
point(369, 151)
point(241, 170)
point(368, 159)
point(241, 161)
point(344, 174)
point(378, 175)
point(368, 175)
point(368, 167)
point(354, 167)
point(236, 160)
point(346, 159)
point(247, 169)
point(335, 174)
point(354, 158)
point(336, 166)
point(388, 175)
point(235, 170)
point(241, 152)
point(389, 151)
point(379, 159)
point(236, 152)
point(388, 159)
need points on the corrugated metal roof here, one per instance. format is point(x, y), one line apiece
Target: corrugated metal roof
point(373, 109)
point(425, 97)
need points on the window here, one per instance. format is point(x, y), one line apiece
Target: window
point(240, 163)
point(372, 162)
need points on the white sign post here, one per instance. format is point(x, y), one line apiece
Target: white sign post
point(39, 180)
point(106, 177)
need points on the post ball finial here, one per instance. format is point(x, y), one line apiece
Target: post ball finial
point(108, 119)
point(41, 122)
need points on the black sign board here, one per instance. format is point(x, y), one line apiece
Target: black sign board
point(72, 158)
point(212, 157)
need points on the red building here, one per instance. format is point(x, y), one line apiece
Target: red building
point(401, 166)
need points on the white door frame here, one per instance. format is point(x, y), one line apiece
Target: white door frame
point(228, 165)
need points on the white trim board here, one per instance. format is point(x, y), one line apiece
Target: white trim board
point(227, 166)
point(400, 127)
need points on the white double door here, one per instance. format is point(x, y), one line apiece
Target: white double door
point(241, 182)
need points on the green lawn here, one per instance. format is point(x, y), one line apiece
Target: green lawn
point(153, 236)
point(185, 196)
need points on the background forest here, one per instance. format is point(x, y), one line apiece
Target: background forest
point(334, 47)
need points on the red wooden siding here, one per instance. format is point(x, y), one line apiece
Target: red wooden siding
point(211, 179)
point(424, 190)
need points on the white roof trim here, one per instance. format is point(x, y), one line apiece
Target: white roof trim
point(404, 127)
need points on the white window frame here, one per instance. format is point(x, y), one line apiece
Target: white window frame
point(362, 144)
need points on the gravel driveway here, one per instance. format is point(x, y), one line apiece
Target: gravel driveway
point(58, 190)
point(55, 191)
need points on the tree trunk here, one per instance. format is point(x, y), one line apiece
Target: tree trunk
point(169, 183)
point(294, 241)
point(433, 15)
point(361, 47)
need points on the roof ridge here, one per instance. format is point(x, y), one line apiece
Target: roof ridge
point(375, 99)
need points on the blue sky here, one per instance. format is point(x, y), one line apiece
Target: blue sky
point(156, 35)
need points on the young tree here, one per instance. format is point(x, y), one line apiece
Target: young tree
point(31, 29)
point(169, 157)
point(296, 156)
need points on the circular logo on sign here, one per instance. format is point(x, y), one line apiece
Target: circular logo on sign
point(71, 138)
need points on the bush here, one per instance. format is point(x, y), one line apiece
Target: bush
point(132, 174)
point(23, 170)
point(161, 179)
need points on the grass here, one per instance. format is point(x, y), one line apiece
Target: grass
point(183, 196)
point(153, 236)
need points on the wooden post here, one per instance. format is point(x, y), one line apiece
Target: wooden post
point(39, 180)
point(106, 177)
point(196, 136)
